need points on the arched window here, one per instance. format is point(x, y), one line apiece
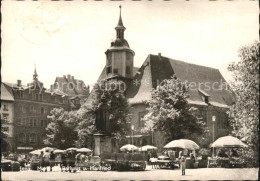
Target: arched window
point(33, 138)
point(21, 138)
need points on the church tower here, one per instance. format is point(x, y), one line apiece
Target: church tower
point(119, 57)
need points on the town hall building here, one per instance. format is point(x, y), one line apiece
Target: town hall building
point(207, 95)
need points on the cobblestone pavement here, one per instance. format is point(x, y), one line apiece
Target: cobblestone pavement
point(148, 174)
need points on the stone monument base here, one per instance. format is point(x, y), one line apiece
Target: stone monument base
point(102, 143)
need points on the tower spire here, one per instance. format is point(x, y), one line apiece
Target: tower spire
point(120, 27)
point(35, 75)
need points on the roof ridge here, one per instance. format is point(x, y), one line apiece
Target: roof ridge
point(186, 62)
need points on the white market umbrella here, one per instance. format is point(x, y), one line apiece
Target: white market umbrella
point(36, 152)
point(183, 143)
point(70, 149)
point(128, 147)
point(47, 149)
point(147, 147)
point(228, 142)
point(58, 151)
point(84, 150)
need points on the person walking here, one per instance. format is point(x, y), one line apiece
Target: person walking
point(182, 162)
point(63, 161)
point(52, 160)
point(46, 159)
point(41, 160)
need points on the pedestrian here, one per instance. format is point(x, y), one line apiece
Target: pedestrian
point(182, 162)
point(63, 161)
point(41, 161)
point(193, 160)
point(46, 158)
point(52, 160)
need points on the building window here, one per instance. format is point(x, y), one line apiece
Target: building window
point(140, 119)
point(127, 70)
point(31, 123)
point(40, 96)
point(115, 71)
point(42, 110)
point(128, 56)
point(21, 138)
point(5, 116)
point(56, 99)
point(36, 97)
point(21, 94)
point(109, 70)
point(32, 138)
point(5, 107)
point(46, 123)
point(34, 123)
point(42, 123)
point(6, 129)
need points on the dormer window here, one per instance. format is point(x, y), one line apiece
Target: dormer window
point(205, 96)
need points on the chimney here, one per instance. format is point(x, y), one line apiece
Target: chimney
point(19, 83)
point(72, 77)
point(52, 88)
point(69, 76)
point(64, 76)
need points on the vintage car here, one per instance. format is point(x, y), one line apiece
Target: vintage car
point(165, 162)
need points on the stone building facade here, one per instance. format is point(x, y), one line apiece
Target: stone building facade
point(31, 105)
point(76, 89)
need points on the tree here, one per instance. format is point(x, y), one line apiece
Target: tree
point(118, 109)
point(61, 131)
point(169, 112)
point(244, 114)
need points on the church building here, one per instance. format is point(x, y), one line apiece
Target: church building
point(208, 94)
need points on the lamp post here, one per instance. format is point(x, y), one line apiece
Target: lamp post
point(152, 137)
point(213, 120)
point(132, 129)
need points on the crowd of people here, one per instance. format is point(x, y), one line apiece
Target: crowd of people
point(47, 160)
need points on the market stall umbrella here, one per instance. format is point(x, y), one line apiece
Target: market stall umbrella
point(183, 143)
point(58, 151)
point(70, 149)
point(147, 147)
point(36, 152)
point(228, 142)
point(128, 147)
point(47, 149)
point(84, 150)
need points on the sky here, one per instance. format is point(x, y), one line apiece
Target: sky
point(71, 37)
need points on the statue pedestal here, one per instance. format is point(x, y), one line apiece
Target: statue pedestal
point(102, 144)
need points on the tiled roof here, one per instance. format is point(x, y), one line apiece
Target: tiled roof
point(6, 92)
point(157, 68)
point(78, 90)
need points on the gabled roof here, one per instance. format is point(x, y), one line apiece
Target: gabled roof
point(6, 92)
point(157, 68)
point(78, 88)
